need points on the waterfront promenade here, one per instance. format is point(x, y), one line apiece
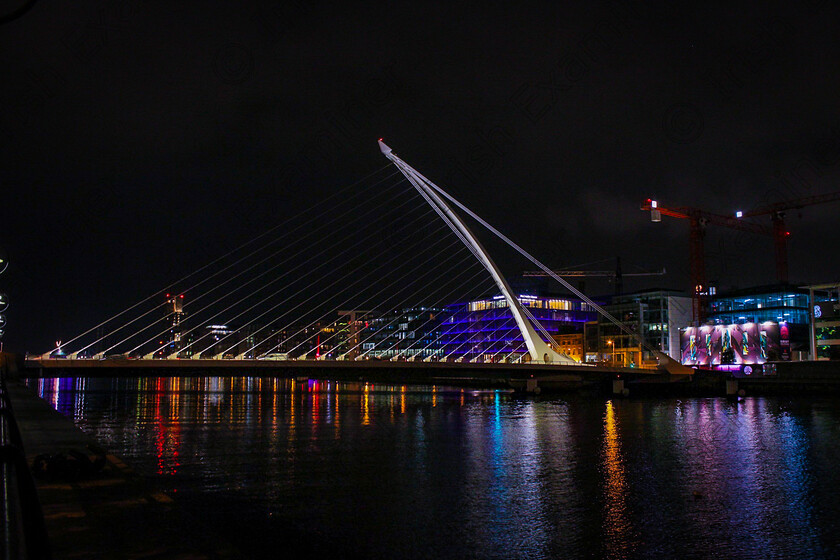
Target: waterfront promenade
point(110, 514)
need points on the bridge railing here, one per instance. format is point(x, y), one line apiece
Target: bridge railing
point(21, 519)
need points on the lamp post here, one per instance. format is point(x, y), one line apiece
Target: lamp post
point(4, 300)
point(610, 343)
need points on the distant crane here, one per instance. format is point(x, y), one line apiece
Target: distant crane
point(699, 219)
point(616, 274)
point(780, 232)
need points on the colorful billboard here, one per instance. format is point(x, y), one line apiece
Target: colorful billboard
point(748, 343)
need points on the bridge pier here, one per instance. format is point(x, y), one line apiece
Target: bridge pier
point(619, 389)
point(731, 387)
point(532, 387)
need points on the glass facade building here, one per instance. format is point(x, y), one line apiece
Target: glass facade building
point(485, 330)
point(758, 305)
point(405, 334)
point(657, 315)
point(825, 328)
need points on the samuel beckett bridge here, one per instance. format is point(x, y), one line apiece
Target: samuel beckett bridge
point(379, 276)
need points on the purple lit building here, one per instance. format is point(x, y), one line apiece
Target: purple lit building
point(484, 330)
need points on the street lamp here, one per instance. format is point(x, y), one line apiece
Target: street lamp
point(610, 342)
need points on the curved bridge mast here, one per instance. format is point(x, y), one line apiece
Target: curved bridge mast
point(538, 349)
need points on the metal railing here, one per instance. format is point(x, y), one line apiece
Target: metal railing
point(24, 532)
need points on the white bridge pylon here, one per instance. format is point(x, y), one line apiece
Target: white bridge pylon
point(539, 350)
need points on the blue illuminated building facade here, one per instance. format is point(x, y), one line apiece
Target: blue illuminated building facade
point(485, 330)
point(750, 326)
point(758, 305)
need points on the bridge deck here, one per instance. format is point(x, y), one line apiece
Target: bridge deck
point(492, 374)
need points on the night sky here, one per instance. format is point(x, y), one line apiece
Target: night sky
point(141, 138)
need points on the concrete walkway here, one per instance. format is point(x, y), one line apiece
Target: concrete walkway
point(113, 514)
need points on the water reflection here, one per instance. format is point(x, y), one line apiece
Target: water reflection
point(617, 526)
point(370, 469)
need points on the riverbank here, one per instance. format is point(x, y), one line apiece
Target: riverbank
point(109, 513)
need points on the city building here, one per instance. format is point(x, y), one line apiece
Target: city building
point(736, 344)
point(321, 339)
point(825, 327)
point(750, 326)
point(655, 315)
point(780, 304)
point(570, 344)
point(174, 316)
point(406, 334)
point(485, 330)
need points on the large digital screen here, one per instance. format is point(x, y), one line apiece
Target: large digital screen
point(749, 343)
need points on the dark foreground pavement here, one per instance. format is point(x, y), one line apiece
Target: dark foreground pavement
point(110, 514)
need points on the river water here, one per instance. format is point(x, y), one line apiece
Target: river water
point(309, 469)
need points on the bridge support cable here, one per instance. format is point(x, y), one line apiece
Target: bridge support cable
point(343, 355)
point(539, 349)
point(427, 352)
point(435, 341)
point(603, 312)
point(254, 279)
point(344, 304)
point(534, 342)
point(158, 334)
point(479, 357)
point(539, 325)
point(195, 286)
point(451, 330)
point(359, 243)
point(665, 360)
point(497, 353)
point(427, 271)
point(514, 351)
point(405, 302)
point(191, 304)
point(353, 187)
point(457, 348)
point(446, 297)
point(427, 248)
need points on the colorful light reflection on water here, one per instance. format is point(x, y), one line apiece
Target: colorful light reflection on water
point(318, 467)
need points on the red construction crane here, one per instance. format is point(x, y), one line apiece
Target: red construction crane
point(698, 219)
point(780, 232)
